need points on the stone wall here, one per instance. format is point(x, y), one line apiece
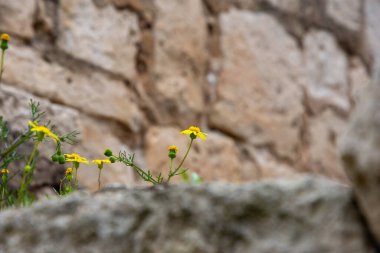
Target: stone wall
point(272, 81)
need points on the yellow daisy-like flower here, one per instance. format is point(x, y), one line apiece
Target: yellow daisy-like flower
point(75, 158)
point(193, 132)
point(69, 171)
point(173, 148)
point(100, 162)
point(42, 129)
point(5, 36)
point(5, 171)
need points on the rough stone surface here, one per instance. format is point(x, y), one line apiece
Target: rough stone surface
point(16, 17)
point(308, 215)
point(360, 148)
point(102, 36)
point(180, 60)
point(372, 30)
point(261, 64)
point(326, 72)
point(346, 13)
point(96, 94)
point(325, 133)
point(358, 79)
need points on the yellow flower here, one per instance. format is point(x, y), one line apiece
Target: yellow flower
point(69, 171)
point(5, 36)
point(75, 158)
point(173, 148)
point(44, 130)
point(100, 162)
point(5, 171)
point(193, 132)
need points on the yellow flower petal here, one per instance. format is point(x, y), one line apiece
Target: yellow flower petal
point(42, 129)
point(187, 131)
point(5, 36)
point(202, 135)
point(193, 130)
point(99, 162)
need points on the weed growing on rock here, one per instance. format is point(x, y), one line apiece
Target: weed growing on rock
point(146, 175)
point(38, 132)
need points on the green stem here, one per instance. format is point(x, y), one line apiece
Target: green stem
point(183, 160)
point(100, 172)
point(142, 173)
point(25, 137)
point(171, 165)
point(2, 64)
point(24, 182)
point(33, 153)
point(76, 177)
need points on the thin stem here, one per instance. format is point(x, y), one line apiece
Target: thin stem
point(100, 172)
point(145, 175)
point(2, 64)
point(33, 153)
point(60, 185)
point(25, 137)
point(171, 165)
point(24, 181)
point(75, 177)
point(183, 160)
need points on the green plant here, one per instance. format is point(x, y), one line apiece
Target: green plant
point(37, 132)
point(146, 175)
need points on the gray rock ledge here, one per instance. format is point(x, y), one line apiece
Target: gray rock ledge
point(305, 215)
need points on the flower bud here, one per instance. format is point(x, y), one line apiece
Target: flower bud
point(27, 168)
point(69, 174)
point(4, 176)
point(61, 159)
point(108, 152)
point(4, 41)
point(172, 151)
point(54, 158)
point(112, 159)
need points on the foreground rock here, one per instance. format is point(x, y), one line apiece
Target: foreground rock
point(308, 215)
point(360, 153)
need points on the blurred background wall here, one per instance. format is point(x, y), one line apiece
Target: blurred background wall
point(273, 82)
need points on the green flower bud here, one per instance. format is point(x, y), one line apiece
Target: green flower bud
point(27, 168)
point(61, 159)
point(108, 152)
point(4, 177)
point(4, 41)
point(112, 159)
point(54, 157)
point(172, 154)
point(172, 151)
point(4, 45)
point(69, 177)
